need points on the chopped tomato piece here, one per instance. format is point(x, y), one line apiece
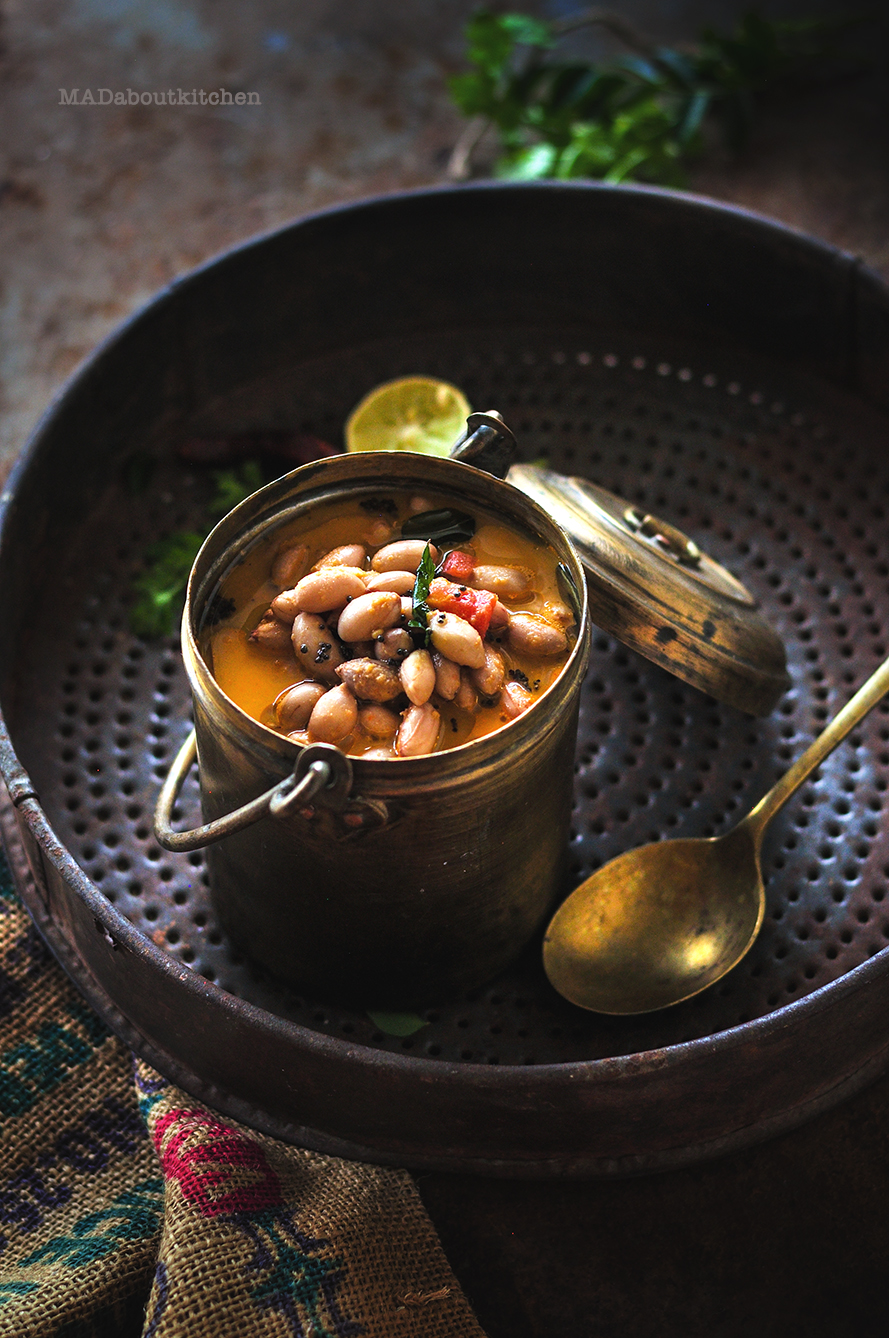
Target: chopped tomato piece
point(476, 606)
point(458, 565)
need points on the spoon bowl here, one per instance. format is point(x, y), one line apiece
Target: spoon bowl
point(659, 924)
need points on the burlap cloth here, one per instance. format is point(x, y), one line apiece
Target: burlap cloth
point(126, 1206)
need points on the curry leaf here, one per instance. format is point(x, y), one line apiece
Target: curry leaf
point(233, 485)
point(420, 609)
point(445, 526)
point(160, 588)
point(641, 116)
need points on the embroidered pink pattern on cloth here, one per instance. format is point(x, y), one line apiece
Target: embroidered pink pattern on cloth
point(226, 1175)
point(218, 1169)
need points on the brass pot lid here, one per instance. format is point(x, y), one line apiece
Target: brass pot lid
point(657, 592)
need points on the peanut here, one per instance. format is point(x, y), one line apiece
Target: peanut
point(380, 754)
point(490, 678)
point(316, 646)
point(418, 677)
point(346, 555)
point(395, 644)
point(514, 700)
point(529, 634)
point(500, 617)
point(467, 693)
point(271, 632)
point(447, 676)
point(289, 565)
point(320, 591)
point(371, 680)
point(334, 716)
point(400, 582)
point(554, 611)
point(378, 532)
point(378, 721)
point(456, 639)
point(403, 555)
point(418, 731)
point(368, 615)
point(294, 705)
point(504, 582)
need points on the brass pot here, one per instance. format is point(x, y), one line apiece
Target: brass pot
point(383, 883)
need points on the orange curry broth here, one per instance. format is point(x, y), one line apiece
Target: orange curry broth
point(253, 676)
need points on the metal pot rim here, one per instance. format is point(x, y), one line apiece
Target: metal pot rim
point(250, 520)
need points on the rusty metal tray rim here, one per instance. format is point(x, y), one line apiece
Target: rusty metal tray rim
point(125, 935)
point(254, 1116)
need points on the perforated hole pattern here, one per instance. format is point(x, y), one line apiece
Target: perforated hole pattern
point(786, 484)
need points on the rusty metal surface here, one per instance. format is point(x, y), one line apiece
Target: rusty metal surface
point(783, 476)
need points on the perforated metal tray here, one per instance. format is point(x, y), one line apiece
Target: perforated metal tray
point(779, 469)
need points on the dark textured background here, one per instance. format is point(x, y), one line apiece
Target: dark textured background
point(101, 206)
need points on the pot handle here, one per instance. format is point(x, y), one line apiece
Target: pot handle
point(318, 768)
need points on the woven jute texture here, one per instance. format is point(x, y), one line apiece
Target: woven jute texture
point(81, 1192)
point(262, 1239)
point(114, 1184)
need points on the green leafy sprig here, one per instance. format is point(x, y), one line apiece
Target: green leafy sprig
point(641, 116)
point(417, 623)
point(160, 588)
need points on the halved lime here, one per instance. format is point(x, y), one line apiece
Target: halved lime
point(414, 413)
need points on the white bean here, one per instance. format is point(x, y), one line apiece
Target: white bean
point(457, 639)
point(403, 555)
point(334, 717)
point(289, 565)
point(447, 676)
point(368, 615)
point(346, 555)
point(316, 646)
point(381, 754)
point(529, 634)
point(294, 705)
point(418, 677)
point(371, 680)
point(505, 582)
point(418, 731)
point(400, 582)
point(320, 591)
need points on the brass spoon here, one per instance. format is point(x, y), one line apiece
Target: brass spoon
point(659, 924)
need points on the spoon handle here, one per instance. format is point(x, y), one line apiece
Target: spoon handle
point(869, 695)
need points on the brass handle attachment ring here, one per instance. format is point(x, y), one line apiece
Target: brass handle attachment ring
point(321, 773)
